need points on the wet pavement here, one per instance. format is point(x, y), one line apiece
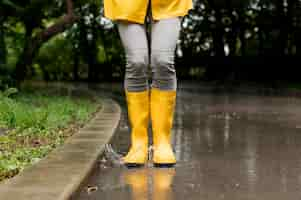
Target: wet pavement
point(228, 146)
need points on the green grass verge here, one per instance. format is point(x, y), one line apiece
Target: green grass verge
point(32, 123)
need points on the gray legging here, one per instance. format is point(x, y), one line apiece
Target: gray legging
point(164, 36)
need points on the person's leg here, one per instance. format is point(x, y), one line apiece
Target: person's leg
point(136, 87)
point(134, 40)
point(165, 34)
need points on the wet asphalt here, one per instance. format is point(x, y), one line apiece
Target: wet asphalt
point(228, 146)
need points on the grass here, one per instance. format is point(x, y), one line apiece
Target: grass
point(32, 123)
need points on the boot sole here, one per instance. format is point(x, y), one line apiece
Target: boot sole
point(164, 165)
point(134, 165)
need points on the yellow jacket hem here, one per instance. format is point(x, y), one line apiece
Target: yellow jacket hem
point(136, 19)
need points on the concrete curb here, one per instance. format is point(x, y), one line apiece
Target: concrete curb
point(61, 172)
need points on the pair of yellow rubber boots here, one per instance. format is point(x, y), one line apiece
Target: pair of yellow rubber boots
point(157, 105)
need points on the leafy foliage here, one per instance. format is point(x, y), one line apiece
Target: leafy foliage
point(242, 34)
point(55, 60)
point(34, 124)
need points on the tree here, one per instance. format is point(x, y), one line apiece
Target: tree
point(34, 42)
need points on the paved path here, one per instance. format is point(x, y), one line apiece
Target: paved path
point(61, 172)
point(228, 146)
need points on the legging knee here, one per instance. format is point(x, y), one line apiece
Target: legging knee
point(163, 70)
point(136, 75)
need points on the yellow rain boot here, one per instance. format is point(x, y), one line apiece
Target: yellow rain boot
point(138, 114)
point(162, 104)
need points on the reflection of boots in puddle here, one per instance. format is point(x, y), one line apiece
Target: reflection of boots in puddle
point(162, 183)
point(137, 179)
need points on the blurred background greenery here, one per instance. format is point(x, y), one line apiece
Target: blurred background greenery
point(221, 40)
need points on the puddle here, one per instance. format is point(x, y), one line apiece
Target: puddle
point(228, 146)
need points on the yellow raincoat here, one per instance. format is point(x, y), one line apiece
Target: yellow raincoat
point(136, 10)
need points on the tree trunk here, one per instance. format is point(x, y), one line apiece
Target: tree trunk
point(298, 27)
point(76, 65)
point(106, 68)
point(260, 41)
point(242, 40)
point(25, 57)
point(234, 26)
point(290, 25)
point(93, 69)
point(218, 34)
point(214, 71)
point(283, 28)
point(3, 52)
